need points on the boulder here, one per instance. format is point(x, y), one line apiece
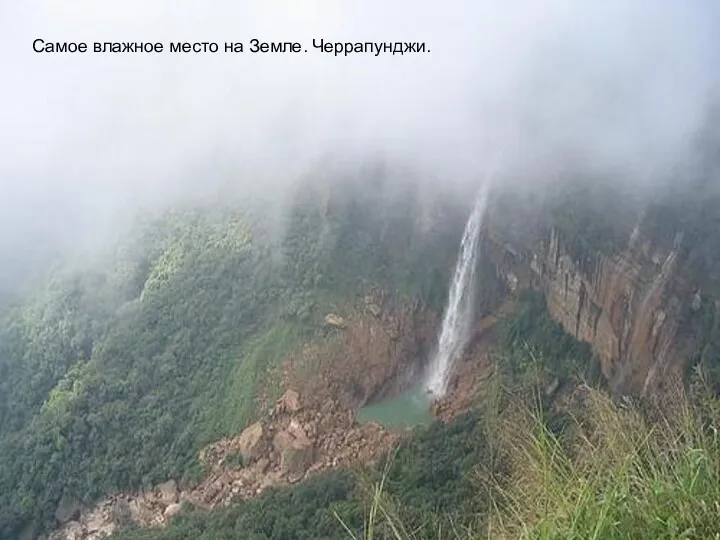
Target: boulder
point(250, 442)
point(73, 531)
point(95, 522)
point(296, 452)
point(297, 431)
point(105, 531)
point(168, 492)
point(68, 509)
point(335, 320)
point(120, 512)
point(172, 510)
point(289, 402)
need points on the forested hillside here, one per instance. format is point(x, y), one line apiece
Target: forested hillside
point(113, 375)
point(431, 484)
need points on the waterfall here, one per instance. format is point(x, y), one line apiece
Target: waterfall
point(458, 317)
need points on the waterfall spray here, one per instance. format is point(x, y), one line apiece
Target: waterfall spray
point(458, 317)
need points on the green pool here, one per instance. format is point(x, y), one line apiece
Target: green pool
point(402, 411)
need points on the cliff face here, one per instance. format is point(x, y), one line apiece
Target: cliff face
point(623, 305)
point(636, 307)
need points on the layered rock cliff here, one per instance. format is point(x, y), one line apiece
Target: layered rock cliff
point(639, 307)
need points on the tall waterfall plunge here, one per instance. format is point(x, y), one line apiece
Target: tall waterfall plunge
point(458, 317)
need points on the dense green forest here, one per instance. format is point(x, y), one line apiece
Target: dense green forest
point(160, 347)
point(430, 481)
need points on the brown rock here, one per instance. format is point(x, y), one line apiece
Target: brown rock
point(172, 510)
point(296, 452)
point(289, 402)
point(335, 320)
point(73, 531)
point(296, 430)
point(262, 465)
point(250, 442)
point(612, 305)
point(211, 492)
point(68, 509)
point(168, 492)
point(95, 522)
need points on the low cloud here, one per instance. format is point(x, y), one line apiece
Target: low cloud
point(528, 86)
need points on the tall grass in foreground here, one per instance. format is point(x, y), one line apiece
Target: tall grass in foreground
point(380, 513)
point(615, 471)
point(615, 475)
point(383, 521)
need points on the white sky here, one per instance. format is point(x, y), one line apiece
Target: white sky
point(85, 137)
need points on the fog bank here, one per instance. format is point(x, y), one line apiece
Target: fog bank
point(613, 86)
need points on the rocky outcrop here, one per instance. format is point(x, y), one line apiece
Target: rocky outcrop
point(167, 492)
point(68, 509)
point(310, 428)
point(96, 522)
point(380, 352)
point(634, 279)
point(335, 320)
point(249, 443)
point(628, 306)
point(289, 402)
point(172, 510)
point(296, 450)
point(293, 442)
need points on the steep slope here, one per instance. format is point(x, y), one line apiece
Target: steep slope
point(178, 338)
point(641, 288)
